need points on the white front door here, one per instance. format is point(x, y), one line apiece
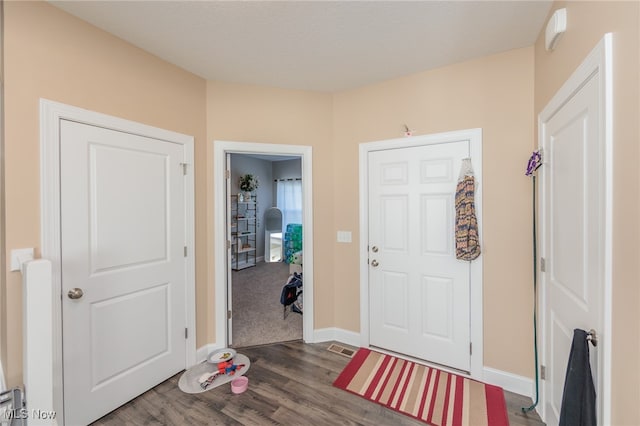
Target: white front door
point(419, 292)
point(123, 232)
point(573, 248)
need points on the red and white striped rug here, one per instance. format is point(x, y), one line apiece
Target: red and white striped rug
point(428, 394)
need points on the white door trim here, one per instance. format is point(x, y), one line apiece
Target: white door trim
point(220, 149)
point(50, 115)
point(599, 61)
point(474, 136)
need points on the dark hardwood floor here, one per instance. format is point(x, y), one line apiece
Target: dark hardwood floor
point(290, 384)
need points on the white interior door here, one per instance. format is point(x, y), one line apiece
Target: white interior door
point(123, 232)
point(419, 292)
point(574, 235)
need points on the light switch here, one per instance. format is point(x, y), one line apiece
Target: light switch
point(344, 236)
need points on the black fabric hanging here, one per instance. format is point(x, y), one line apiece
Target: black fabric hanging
point(579, 395)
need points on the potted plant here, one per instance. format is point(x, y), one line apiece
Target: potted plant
point(248, 184)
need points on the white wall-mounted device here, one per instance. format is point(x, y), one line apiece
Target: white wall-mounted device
point(556, 26)
point(20, 256)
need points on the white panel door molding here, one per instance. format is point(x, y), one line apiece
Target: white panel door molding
point(417, 299)
point(575, 193)
point(118, 232)
point(122, 212)
point(419, 291)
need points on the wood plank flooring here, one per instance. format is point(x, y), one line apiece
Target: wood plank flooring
point(290, 384)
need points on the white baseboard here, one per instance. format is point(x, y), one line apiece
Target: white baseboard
point(338, 334)
point(321, 335)
point(509, 381)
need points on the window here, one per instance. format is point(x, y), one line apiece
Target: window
point(289, 200)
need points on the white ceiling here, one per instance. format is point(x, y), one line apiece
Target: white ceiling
point(316, 45)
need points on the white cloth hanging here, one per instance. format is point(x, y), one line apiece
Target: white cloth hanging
point(466, 169)
point(289, 201)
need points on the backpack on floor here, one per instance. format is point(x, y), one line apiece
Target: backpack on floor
point(290, 291)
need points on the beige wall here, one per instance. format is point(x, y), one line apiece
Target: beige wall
point(52, 55)
point(587, 22)
point(49, 54)
point(245, 113)
point(496, 94)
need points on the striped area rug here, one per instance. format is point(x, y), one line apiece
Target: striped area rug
point(428, 394)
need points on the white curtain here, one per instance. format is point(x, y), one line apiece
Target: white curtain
point(289, 199)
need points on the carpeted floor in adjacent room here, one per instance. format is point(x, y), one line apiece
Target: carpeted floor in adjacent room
point(257, 312)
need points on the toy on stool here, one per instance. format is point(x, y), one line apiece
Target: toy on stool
point(295, 258)
point(229, 368)
point(205, 382)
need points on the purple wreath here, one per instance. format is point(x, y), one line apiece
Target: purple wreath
point(534, 163)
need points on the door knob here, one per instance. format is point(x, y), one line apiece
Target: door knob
point(592, 336)
point(374, 263)
point(75, 293)
point(374, 249)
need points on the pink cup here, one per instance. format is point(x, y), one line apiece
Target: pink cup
point(239, 384)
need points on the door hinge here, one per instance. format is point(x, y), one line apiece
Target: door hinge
point(470, 348)
point(228, 244)
point(184, 168)
point(228, 314)
point(185, 251)
point(543, 372)
point(227, 174)
point(186, 333)
point(543, 264)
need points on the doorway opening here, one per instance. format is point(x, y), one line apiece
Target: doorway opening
point(264, 227)
point(229, 252)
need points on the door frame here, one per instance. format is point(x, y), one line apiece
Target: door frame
point(474, 136)
point(220, 151)
point(51, 113)
point(598, 64)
